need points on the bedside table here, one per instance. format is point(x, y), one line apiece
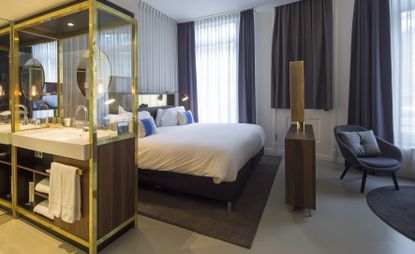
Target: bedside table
point(300, 168)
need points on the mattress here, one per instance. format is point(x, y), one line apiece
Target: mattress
point(211, 150)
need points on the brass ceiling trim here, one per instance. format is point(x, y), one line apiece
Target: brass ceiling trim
point(52, 15)
point(114, 12)
point(40, 34)
point(5, 31)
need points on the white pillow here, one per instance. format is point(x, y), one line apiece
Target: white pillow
point(168, 117)
point(125, 114)
point(160, 113)
point(113, 118)
point(185, 117)
point(144, 114)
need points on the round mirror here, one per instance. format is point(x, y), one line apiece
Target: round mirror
point(32, 79)
point(104, 73)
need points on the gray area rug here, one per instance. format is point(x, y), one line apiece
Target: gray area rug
point(210, 217)
point(396, 208)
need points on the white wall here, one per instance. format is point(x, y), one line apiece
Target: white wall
point(275, 122)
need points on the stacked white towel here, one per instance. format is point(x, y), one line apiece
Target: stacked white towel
point(43, 209)
point(65, 192)
point(43, 186)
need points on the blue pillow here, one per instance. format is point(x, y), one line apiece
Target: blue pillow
point(146, 127)
point(185, 117)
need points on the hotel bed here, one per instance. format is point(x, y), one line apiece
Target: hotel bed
point(207, 160)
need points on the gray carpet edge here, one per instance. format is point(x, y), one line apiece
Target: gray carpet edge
point(246, 245)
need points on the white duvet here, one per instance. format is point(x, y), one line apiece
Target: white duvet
point(212, 150)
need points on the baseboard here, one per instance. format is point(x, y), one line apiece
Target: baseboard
point(270, 151)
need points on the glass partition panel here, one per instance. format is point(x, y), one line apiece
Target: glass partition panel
point(114, 80)
point(5, 114)
point(38, 99)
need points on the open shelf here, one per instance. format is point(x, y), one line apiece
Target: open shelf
point(6, 197)
point(42, 195)
point(37, 169)
point(5, 162)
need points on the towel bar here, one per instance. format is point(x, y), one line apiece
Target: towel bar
point(78, 171)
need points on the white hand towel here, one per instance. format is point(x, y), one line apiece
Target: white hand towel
point(43, 186)
point(65, 192)
point(43, 209)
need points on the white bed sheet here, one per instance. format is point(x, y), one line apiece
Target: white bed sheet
point(212, 150)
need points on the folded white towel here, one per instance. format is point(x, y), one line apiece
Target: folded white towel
point(43, 186)
point(43, 209)
point(5, 113)
point(65, 192)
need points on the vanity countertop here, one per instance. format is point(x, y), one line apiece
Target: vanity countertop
point(66, 142)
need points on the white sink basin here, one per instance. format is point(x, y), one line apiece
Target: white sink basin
point(6, 132)
point(67, 142)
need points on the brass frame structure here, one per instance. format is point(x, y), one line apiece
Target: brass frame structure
point(93, 6)
point(4, 31)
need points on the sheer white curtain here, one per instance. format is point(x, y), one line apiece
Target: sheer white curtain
point(403, 71)
point(157, 51)
point(217, 40)
point(47, 54)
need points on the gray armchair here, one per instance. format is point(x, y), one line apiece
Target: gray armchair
point(389, 161)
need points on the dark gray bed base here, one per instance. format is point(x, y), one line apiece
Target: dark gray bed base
point(199, 185)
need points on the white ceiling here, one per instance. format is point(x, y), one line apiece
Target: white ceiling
point(186, 10)
point(180, 10)
point(18, 9)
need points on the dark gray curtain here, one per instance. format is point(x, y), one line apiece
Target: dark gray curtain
point(246, 68)
point(370, 96)
point(187, 66)
point(303, 31)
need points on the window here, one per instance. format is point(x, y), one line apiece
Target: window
point(217, 41)
point(403, 69)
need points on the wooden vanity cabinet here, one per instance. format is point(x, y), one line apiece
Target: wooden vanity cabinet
point(5, 176)
point(116, 185)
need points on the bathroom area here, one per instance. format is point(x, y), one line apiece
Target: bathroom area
point(68, 121)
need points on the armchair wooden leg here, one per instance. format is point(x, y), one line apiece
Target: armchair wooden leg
point(345, 171)
point(362, 188)
point(395, 181)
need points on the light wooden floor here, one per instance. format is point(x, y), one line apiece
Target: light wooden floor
point(343, 223)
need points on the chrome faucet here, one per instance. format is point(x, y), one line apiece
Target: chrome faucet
point(45, 106)
point(25, 118)
point(85, 109)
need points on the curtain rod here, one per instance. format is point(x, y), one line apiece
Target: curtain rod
point(210, 16)
point(255, 8)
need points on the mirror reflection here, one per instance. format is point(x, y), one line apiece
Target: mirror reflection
point(104, 74)
point(5, 114)
point(32, 79)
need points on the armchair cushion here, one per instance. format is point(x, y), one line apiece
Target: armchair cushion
point(379, 162)
point(362, 143)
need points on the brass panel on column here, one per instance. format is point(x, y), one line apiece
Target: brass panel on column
point(297, 92)
point(14, 102)
point(92, 38)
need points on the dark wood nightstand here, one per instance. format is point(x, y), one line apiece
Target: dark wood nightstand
point(300, 168)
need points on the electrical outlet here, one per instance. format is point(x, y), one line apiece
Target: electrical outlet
point(38, 154)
